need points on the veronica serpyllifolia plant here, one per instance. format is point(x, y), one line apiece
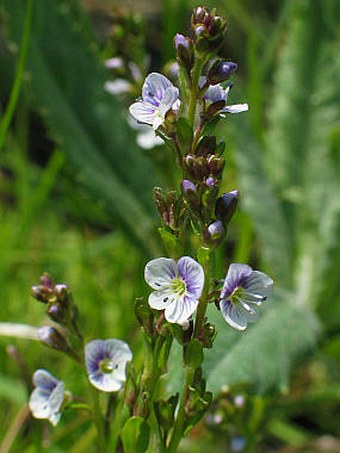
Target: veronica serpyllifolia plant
point(194, 217)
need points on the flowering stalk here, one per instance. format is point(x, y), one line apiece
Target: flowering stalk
point(194, 220)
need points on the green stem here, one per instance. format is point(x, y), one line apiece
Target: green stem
point(7, 118)
point(99, 421)
point(206, 262)
point(196, 72)
point(179, 425)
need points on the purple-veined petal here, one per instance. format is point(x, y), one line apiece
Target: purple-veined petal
point(45, 380)
point(159, 300)
point(155, 86)
point(192, 274)
point(235, 108)
point(236, 273)
point(168, 100)
point(215, 93)
point(234, 314)
point(160, 272)
point(258, 283)
point(143, 112)
point(181, 310)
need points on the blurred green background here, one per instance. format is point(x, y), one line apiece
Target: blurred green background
point(76, 201)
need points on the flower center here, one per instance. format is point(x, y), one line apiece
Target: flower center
point(107, 366)
point(178, 286)
point(236, 295)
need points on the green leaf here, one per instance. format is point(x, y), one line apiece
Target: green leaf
point(66, 87)
point(135, 435)
point(264, 354)
point(259, 200)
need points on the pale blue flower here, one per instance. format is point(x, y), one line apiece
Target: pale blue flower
point(106, 363)
point(216, 93)
point(47, 397)
point(159, 95)
point(178, 287)
point(243, 291)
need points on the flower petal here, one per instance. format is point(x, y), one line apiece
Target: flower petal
point(180, 311)
point(94, 353)
point(234, 314)
point(159, 300)
point(258, 283)
point(57, 397)
point(236, 273)
point(45, 380)
point(192, 274)
point(235, 108)
point(155, 86)
point(119, 352)
point(143, 112)
point(160, 272)
point(169, 98)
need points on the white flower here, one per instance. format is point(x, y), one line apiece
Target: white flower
point(243, 291)
point(106, 362)
point(146, 137)
point(159, 95)
point(178, 287)
point(47, 398)
point(216, 93)
point(118, 86)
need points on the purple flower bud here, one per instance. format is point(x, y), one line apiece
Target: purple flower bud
point(216, 231)
point(221, 71)
point(181, 40)
point(52, 338)
point(210, 182)
point(184, 50)
point(188, 185)
point(226, 205)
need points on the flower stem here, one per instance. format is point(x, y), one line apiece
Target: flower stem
point(196, 72)
point(99, 421)
point(179, 425)
point(205, 257)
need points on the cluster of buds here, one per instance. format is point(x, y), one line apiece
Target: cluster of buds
point(63, 312)
point(208, 29)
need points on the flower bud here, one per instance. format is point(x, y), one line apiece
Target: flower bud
point(206, 146)
point(226, 206)
point(221, 71)
point(215, 165)
point(145, 316)
point(207, 335)
point(184, 50)
point(57, 312)
point(44, 292)
point(210, 182)
point(188, 186)
point(215, 233)
point(208, 30)
point(165, 411)
point(52, 338)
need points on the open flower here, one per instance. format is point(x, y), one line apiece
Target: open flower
point(106, 362)
point(243, 291)
point(159, 95)
point(178, 287)
point(216, 93)
point(47, 398)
